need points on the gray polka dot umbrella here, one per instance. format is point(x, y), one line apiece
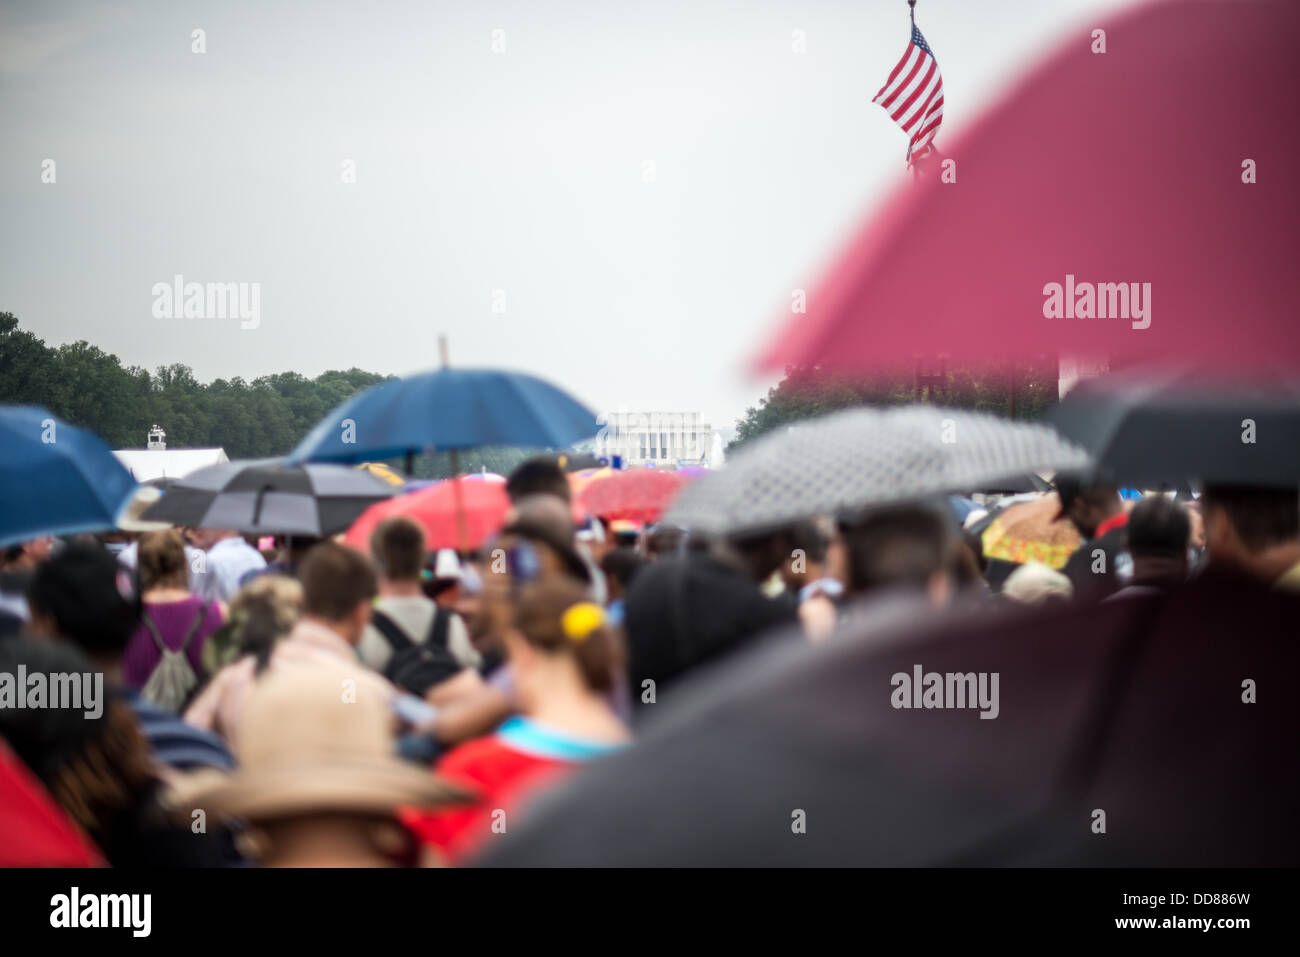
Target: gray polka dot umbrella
point(852, 460)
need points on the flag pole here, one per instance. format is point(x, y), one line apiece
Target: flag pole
point(456, 491)
point(911, 5)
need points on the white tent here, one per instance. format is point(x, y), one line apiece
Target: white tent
point(148, 464)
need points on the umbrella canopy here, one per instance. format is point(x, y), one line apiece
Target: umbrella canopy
point(484, 506)
point(1031, 532)
point(448, 409)
point(1152, 427)
point(639, 495)
point(1134, 707)
point(1128, 167)
point(583, 477)
point(56, 479)
point(269, 497)
point(864, 457)
point(34, 830)
point(383, 472)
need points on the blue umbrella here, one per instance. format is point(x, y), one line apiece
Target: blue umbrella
point(448, 409)
point(55, 479)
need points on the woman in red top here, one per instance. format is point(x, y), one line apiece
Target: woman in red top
point(562, 657)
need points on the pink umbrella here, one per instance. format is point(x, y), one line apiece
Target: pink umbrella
point(638, 495)
point(1108, 183)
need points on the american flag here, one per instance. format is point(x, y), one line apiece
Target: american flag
point(913, 95)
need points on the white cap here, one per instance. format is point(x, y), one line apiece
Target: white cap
point(446, 565)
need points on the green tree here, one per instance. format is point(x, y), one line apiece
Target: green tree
point(1024, 390)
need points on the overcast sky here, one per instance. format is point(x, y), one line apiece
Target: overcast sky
point(644, 183)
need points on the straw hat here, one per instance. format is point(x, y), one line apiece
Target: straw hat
point(313, 739)
point(141, 499)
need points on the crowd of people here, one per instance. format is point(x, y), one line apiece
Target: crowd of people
point(298, 702)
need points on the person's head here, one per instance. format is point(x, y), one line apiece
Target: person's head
point(1033, 583)
point(663, 541)
point(1159, 532)
point(620, 566)
point(397, 547)
point(29, 554)
point(338, 586)
point(810, 542)
point(263, 612)
point(82, 595)
point(907, 546)
point(559, 640)
point(96, 767)
point(1254, 529)
point(538, 476)
point(161, 561)
point(537, 543)
point(1087, 503)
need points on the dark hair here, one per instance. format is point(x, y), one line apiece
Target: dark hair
point(93, 601)
point(1071, 487)
point(538, 476)
point(539, 615)
point(96, 768)
point(664, 540)
point(335, 580)
point(810, 538)
point(1158, 527)
point(621, 564)
point(897, 546)
point(160, 560)
point(397, 546)
point(1261, 516)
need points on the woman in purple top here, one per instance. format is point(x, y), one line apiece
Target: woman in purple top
point(168, 603)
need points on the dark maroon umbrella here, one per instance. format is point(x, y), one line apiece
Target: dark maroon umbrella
point(1132, 708)
point(1135, 203)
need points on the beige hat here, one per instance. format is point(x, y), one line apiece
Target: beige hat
point(141, 499)
point(313, 739)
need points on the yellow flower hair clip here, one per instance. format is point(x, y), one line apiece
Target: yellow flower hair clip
point(580, 620)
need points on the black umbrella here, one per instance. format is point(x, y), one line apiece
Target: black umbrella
point(268, 497)
point(797, 756)
point(1149, 427)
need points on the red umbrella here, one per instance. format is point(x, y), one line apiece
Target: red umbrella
point(638, 495)
point(1128, 166)
point(34, 831)
point(434, 509)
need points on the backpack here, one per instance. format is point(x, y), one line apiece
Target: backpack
point(173, 678)
point(417, 668)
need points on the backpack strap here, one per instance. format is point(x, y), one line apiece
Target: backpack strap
point(195, 625)
point(150, 624)
point(439, 627)
point(397, 639)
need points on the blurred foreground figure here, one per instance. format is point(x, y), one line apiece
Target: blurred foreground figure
point(97, 766)
point(1157, 731)
point(318, 782)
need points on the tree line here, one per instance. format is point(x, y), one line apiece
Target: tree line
point(84, 385)
point(1021, 391)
